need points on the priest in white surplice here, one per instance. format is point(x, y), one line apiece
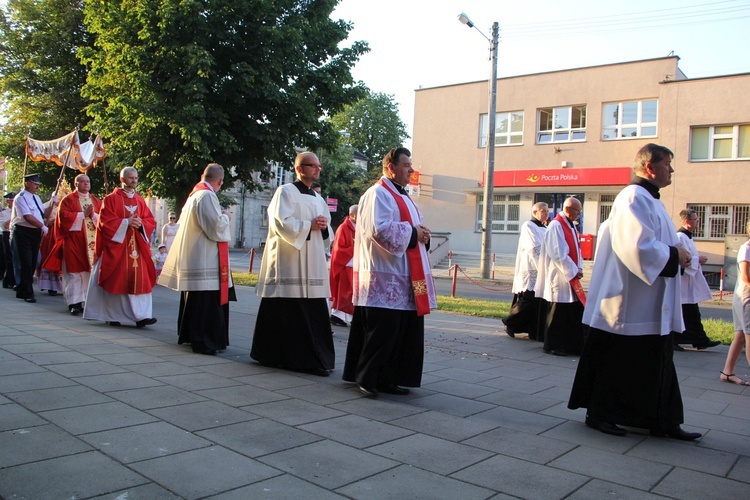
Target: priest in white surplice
point(393, 286)
point(558, 282)
point(293, 330)
point(528, 311)
point(626, 373)
point(198, 267)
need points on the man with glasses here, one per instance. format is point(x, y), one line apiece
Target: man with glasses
point(559, 282)
point(693, 288)
point(292, 330)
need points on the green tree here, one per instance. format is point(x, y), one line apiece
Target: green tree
point(342, 180)
point(373, 127)
point(175, 84)
point(40, 77)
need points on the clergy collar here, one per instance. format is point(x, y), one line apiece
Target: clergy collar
point(129, 194)
point(537, 222)
point(398, 186)
point(686, 232)
point(83, 195)
point(303, 188)
point(646, 184)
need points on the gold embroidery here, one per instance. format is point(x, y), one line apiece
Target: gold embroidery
point(420, 287)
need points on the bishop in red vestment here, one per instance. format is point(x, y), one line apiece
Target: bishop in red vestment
point(123, 274)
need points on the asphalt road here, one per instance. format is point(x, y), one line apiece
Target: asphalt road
point(482, 289)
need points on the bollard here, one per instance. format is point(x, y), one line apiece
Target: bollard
point(450, 262)
point(721, 284)
point(493, 266)
point(252, 258)
point(455, 277)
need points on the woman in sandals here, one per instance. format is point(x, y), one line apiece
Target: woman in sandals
point(740, 314)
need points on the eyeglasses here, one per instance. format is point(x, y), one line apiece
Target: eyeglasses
point(313, 165)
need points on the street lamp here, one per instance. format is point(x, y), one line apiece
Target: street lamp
point(489, 172)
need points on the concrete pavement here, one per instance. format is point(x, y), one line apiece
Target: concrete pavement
point(93, 411)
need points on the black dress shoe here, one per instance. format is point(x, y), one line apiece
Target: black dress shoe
point(510, 332)
point(320, 372)
point(393, 389)
point(145, 322)
point(676, 433)
point(605, 427)
point(52, 292)
point(556, 352)
point(368, 391)
point(30, 300)
point(706, 344)
point(678, 348)
point(113, 323)
point(338, 321)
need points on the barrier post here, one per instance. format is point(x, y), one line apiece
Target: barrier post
point(493, 266)
point(455, 277)
point(252, 258)
point(450, 262)
point(721, 284)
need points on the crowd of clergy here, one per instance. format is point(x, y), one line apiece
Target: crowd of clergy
point(642, 302)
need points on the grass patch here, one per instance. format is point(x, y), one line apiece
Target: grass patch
point(717, 329)
point(473, 307)
point(247, 279)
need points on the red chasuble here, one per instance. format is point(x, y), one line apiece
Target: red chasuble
point(75, 248)
point(223, 256)
point(571, 241)
point(342, 252)
point(127, 267)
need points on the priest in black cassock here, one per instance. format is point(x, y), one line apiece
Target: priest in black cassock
point(198, 266)
point(626, 373)
point(293, 328)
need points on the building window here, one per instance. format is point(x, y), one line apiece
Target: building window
point(506, 213)
point(626, 120)
point(264, 216)
point(720, 143)
point(565, 124)
point(508, 129)
point(716, 221)
point(281, 175)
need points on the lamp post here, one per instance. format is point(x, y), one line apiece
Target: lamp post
point(489, 171)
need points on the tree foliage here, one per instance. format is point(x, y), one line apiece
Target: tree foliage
point(373, 127)
point(342, 180)
point(175, 84)
point(40, 77)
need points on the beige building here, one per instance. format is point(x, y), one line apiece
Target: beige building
point(576, 132)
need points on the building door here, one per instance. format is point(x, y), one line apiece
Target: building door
point(555, 202)
point(605, 206)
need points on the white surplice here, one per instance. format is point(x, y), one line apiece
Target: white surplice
point(626, 294)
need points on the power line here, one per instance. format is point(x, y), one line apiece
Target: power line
point(629, 22)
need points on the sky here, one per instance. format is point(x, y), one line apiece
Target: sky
point(421, 43)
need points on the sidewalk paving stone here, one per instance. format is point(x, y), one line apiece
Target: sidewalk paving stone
point(490, 420)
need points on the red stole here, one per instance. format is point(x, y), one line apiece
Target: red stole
point(223, 255)
point(572, 241)
point(416, 269)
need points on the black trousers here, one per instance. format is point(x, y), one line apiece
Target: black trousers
point(25, 242)
point(9, 279)
point(694, 332)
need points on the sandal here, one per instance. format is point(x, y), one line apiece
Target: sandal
point(729, 379)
